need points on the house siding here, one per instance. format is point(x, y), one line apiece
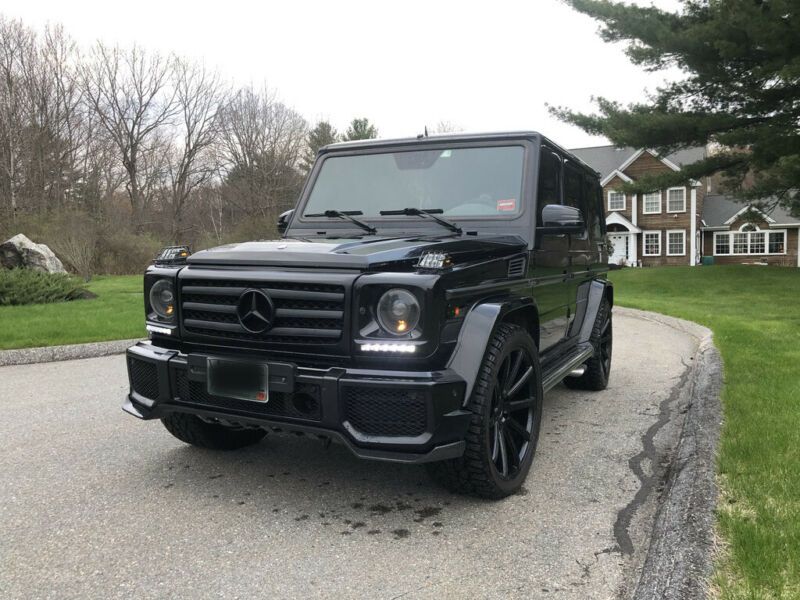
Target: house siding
point(715, 208)
point(647, 164)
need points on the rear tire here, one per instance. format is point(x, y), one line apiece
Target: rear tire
point(193, 430)
point(598, 368)
point(506, 407)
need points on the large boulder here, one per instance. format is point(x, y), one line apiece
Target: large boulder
point(20, 252)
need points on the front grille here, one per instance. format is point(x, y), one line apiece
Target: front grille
point(304, 403)
point(305, 313)
point(144, 377)
point(386, 411)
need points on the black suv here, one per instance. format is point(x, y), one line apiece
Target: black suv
point(424, 296)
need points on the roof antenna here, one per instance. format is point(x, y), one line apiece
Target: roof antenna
point(423, 135)
point(426, 131)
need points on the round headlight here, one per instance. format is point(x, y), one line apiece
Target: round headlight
point(398, 311)
point(162, 299)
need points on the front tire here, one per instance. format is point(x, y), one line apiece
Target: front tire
point(506, 407)
point(193, 430)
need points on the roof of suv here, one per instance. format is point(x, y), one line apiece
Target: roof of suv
point(449, 137)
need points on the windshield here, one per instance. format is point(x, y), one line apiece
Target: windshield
point(462, 182)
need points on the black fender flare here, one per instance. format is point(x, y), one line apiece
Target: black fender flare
point(595, 292)
point(473, 339)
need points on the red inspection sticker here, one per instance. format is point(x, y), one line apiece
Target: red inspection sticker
point(507, 205)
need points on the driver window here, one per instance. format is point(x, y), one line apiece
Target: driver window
point(549, 181)
point(575, 193)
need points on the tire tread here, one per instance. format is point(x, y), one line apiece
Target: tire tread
point(196, 432)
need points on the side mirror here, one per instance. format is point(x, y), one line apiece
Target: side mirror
point(283, 220)
point(558, 219)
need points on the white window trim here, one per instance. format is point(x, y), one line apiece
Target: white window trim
point(624, 201)
point(683, 236)
point(683, 190)
point(766, 233)
point(644, 203)
point(644, 242)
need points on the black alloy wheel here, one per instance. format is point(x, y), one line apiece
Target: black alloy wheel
point(512, 412)
point(506, 407)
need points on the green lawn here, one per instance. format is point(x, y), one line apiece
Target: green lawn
point(117, 313)
point(754, 313)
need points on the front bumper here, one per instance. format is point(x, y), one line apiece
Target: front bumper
point(397, 416)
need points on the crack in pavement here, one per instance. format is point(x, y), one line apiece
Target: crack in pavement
point(647, 482)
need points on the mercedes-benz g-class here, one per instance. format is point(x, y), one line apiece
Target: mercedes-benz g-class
point(424, 296)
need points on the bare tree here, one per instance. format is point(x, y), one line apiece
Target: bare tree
point(54, 129)
point(17, 48)
point(261, 144)
point(131, 94)
point(446, 127)
point(199, 96)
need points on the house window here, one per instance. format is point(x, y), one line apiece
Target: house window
point(616, 200)
point(749, 240)
point(651, 204)
point(676, 199)
point(757, 243)
point(777, 242)
point(722, 243)
point(652, 243)
point(740, 243)
point(676, 242)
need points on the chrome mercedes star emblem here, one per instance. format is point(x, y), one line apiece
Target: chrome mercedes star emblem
point(255, 311)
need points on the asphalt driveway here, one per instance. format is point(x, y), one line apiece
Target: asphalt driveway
point(95, 504)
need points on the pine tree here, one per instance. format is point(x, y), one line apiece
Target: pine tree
point(321, 135)
point(740, 91)
point(360, 129)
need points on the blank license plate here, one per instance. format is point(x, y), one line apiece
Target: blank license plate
point(240, 380)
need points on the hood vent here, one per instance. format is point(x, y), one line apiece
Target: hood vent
point(516, 267)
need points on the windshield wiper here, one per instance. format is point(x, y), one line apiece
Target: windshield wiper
point(428, 213)
point(347, 215)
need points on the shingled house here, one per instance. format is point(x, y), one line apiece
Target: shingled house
point(680, 225)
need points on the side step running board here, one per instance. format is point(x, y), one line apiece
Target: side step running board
point(570, 363)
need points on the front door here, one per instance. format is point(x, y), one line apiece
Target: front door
point(550, 262)
point(620, 248)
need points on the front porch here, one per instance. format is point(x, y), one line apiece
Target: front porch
point(624, 239)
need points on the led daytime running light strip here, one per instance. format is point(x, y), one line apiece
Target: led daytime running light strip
point(390, 347)
point(161, 330)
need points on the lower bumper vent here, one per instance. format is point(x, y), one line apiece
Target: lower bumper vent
point(144, 378)
point(386, 412)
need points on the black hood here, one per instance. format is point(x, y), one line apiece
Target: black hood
point(369, 253)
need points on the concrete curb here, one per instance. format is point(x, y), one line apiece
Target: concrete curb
point(680, 556)
point(27, 356)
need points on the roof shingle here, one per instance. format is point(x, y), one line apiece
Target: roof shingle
point(604, 159)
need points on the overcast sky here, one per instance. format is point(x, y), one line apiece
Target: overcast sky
point(483, 66)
